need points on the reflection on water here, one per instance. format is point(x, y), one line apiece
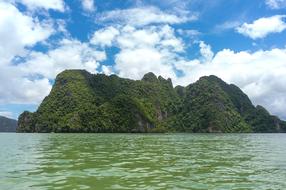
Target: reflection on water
point(142, 161)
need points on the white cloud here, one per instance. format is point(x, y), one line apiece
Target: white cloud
point(262, 27)
point(135, 38)
point(18, 31)
point(15, 87)
point(44, 4)
point(141, 16)
point(156, 48)
point(142, 47)
point(105, 36)
point(28, 82)
point(107, 70)
point(6, 114)
point(135, 63)
point(276, 4)
point(162, 37)
point(88, 5)
point(71, 54)
point(147, 49)
point(206, 52)
point(141, 50)
point(260, 74)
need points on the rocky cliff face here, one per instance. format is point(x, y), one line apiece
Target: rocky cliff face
point(82, 102)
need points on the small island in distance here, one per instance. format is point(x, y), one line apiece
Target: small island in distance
point(7, 124)
point(96, 103)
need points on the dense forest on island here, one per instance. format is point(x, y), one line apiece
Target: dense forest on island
point(84, 102)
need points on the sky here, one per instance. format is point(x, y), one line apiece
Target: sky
point(241, 41)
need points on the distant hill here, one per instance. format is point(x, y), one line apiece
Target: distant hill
point(84, 102)
point(7, 125)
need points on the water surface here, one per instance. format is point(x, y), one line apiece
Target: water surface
point(142, 161)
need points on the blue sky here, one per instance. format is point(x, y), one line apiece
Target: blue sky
point(243, 42)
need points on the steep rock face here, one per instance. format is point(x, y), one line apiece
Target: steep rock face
point(26, 122)
point(82, 102)
point(7, 125)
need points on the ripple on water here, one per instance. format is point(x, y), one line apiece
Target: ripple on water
point(142, 161)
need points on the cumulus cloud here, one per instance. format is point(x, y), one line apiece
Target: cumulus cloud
point(6, 114)
point(26, 73)
point(18, 31)
point(146, 49)
point(70, 54)
point(107, 70)
point(206, 52)
point(260, 74)
point(28, 82)
point(141, 50)
point(15, 87)
point(262, 27)
point(158, 49)
point(44, 4)
point(276, 4)
point(104, 37)
point(161, 37)
point(135, 63)
point(88, 5)
point(145, 41)
point(141, 16)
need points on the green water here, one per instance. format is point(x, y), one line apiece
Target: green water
point(134, 161)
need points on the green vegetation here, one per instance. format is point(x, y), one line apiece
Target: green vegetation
point(82, 102)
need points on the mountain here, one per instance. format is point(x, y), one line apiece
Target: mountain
point(7, 125)
point(83, 102)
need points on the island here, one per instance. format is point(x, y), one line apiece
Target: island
point(7, 124)
point(81, 102)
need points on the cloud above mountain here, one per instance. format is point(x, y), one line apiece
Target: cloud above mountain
point(39, 39)
point(262, 27)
